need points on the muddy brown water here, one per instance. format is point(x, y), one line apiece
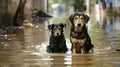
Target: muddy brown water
point(27, 48)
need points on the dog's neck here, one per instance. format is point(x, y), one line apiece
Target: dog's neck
point(79, 35)
point(58, 39)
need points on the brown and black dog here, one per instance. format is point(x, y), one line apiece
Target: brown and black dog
point(79, 37)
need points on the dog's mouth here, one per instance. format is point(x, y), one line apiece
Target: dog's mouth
point(57, 34)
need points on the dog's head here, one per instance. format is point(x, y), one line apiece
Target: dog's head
point(56, 29)
point(78, 20)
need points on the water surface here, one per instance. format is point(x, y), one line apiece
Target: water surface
point(27, 47)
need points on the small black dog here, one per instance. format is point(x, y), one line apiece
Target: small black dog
point(79, 37)
point(57, 42)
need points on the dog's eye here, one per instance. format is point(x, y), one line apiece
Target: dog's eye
point(59, 28)
point(76, 17)
point(54, 29)
point(82, 18)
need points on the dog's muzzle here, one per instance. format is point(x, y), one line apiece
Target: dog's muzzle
point(57, 32)
point(78, 24)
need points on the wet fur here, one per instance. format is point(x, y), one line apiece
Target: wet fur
point(57, 43)
point(79, 37)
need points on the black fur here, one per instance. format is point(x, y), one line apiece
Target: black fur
point(57, 44)
point(81, 35)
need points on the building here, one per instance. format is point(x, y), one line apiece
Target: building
point(9, 7)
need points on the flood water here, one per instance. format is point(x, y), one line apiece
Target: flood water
point(27, 47)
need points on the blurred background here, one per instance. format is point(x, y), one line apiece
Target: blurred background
point(24, 34)
point(16, 12)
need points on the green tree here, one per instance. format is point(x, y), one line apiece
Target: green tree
point(79, 5)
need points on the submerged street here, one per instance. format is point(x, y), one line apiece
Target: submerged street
point(27, 47)
point(24, 33)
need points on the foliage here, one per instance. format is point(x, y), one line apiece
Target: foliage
point(79, 5)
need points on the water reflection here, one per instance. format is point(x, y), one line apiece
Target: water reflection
point(27, 47)
point(111, 32)
point(58, 61)
point(83, 61)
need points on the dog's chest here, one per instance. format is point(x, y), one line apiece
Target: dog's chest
point(78, 41)
point(57, 40)
point(78, 35)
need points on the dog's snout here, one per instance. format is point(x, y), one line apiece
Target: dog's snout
point(79, 24)
point(57, 33)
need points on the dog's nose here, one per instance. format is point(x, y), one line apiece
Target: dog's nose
point(78, 24)
point(57, 33)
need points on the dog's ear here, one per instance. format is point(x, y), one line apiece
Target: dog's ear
point(71, 17)
point(62, 25)
point(50, 27)
point(87, 18)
